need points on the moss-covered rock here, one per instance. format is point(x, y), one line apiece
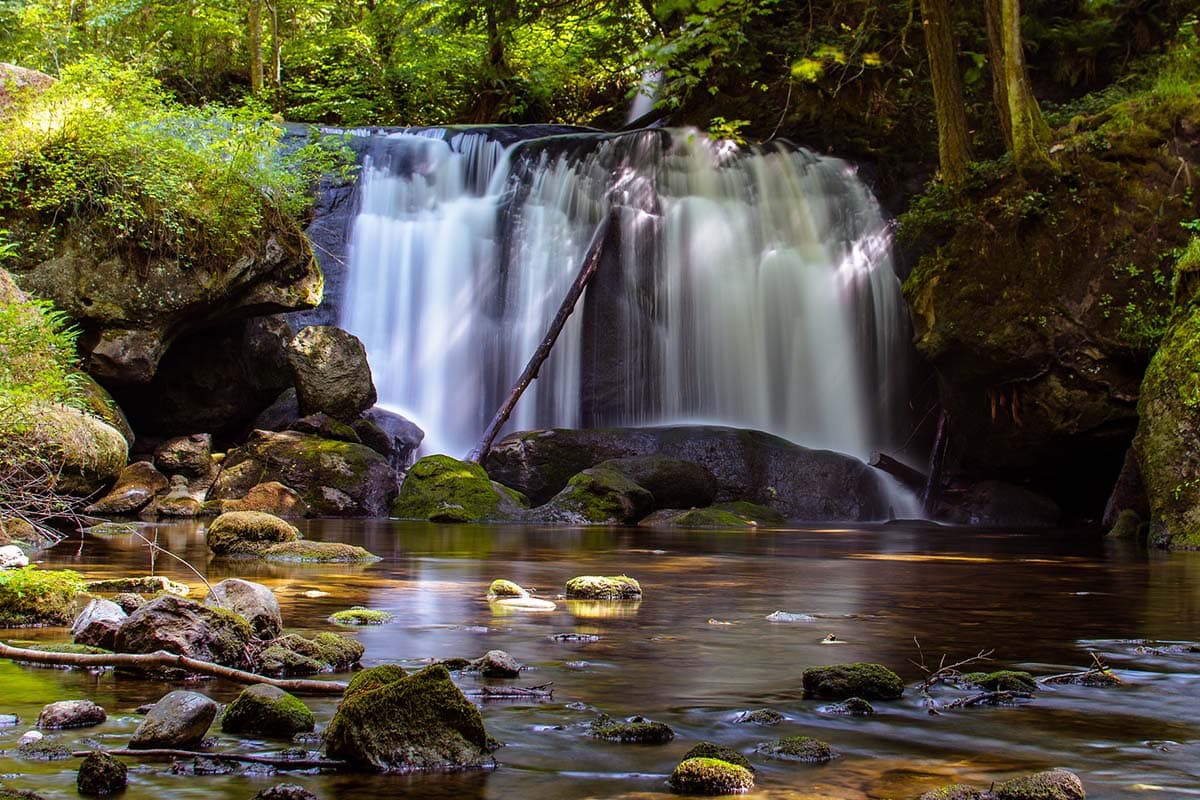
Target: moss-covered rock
point(1054, 784)
point(144, 584)
point(331, 652)
point(112, 529)
point(1168, 437)
point(248, 533)
point(101, 775)
point(504, 588)
point(798, 748)
point(1005, 680)
point(1128, 525)
point(719, 752)
point(188, 628)
point(673, 482)
point(636, 730)
point(696, 518)
point(851, 706)
point(860, 679)
point(368, 680)
point(264, 710)
point(710, 777)
point(334, 478)
point(597, 496)
point(443, 489)
point(360, 616)
point(30, 596)
point(597, 587)
point(419, 722)
point(759, 716)
point(84, 454)
point(957, 791)
point(318, 553)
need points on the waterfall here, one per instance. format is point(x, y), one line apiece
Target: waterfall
point(751, 288)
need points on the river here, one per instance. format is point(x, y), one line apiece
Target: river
point(698, 649)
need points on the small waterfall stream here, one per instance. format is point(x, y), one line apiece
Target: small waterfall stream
point(751, 288)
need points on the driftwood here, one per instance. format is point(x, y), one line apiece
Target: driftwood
point(163, 659)
point(591, 262)
point(512, 692)
point(911, 478)
point(989, 699)
point(279, 763)
point(1099, 674)
point(937, 457)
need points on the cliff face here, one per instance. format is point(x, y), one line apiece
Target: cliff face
point(1039, 306)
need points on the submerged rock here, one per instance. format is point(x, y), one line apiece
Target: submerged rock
point(179, 720)
point(71, 714)
point(958, 791)
point(637, 730)
point(1005, 680)
point(265, 710)
point(842, 681)
point(759, 716)
point(359, 615)
point(851, 706)
point(408, 723)
point(285, 791)
point(295, 655)
point(1054, 784)
point(443, 489)
point(318, 552)
point(248, 533)
point(101, 775)
point(798, 748)
point(596, 587)
point(710, 777)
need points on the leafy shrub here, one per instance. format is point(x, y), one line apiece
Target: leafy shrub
point(32, 596)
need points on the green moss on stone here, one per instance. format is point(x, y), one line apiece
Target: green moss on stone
point(764, 516)
point(248, 533)
point(852, 706)
point(840, 681)
point(360, 616)
point(637, 731)
point(719, 752)
point(759, 716)
point(374, 678)
point(710, 777)
point(1054, 784)
point(443, 489)
point(958, 791)
point(146, 584)
point(798, 748)
point(600, 495)
point(503, 588)
point(1005, 680)
point(1128, 525)
point(30, 596)
point(596, 587)
point(100, 775)
point(266, 710)
point(70, 648)
point(295, 655)
point(112, 529)
point(306, 551)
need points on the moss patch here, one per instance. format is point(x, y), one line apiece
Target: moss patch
point(840, 681)
point(958, 791)
point(503, 588)
point(596, 587)
point(1054, 784)
point(248, 533)
point(30, 596)
point(798, 748)
point(146, 584)
point(710, 777)
point(318, 553)
point(360, 616)
point(600, 495)
point(265, 710)
point(296, 655)
point(710, 750)
point(443, 489)
point(635, 731)
point(1005, 680)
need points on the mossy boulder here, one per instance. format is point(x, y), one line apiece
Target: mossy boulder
point(1128, 525)
point(180, 719)
point(505, 588)
point(1168, 438)
point(139, 584)
point(798, 748)
point(1053, 784)
point(254, 602)
point(334, 478)
point(635, 730)
point(101, 775)
point(717, 517)
point(673, 482)
point(248, 533)
point(860, 679)
point(85, 454)
point(957, 791)
point(31, 597)
point(368, 680)
point(719, 752)
point(264, 710)
point(598, 496)
point(443, 489)
point(331, 373)
point(307, 551)
point(759, 716)
point(418, 722)
point(295, 655)
point(1005, 680)
point(188, 628)
point(851, 706)
point(710, 777)
point(360, 616)
point(597, 587)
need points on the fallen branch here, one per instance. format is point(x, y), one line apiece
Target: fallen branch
point(1099, 674)
point(511, 692)
point(279, 763)
point(911, 478)
point(162, 658)
point(988, 699)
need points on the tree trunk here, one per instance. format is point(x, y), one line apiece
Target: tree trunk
point(276, 46)
point(1029, 130)
point(991, 13)
point(954, 147)
point(254, 26)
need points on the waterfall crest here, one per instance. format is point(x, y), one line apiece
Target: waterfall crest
point(751, 288)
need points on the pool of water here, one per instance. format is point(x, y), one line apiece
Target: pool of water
point(699, 648)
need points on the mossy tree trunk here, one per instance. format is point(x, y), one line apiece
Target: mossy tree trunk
point(991, 12)
point(1029, 130)
point(255, 31)
point(954, 147)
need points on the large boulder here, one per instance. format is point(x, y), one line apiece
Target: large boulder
point(271, 497)
point(85, 454)
point(859, 679)
point(190, 456)
point(136, 486)
point(18, 82)
point(264, 710)
point(331, 372)
point(597, 496)
point(444, 489)
point(406, 724)
point(248, 533)
point(334, 478)
point(748, 465)
point(187, 628)
point(98, 623)
point(674, 483)
point(390, 435)
point(253, 602)
point(179, 721)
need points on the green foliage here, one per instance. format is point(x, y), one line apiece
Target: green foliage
point(31, 596)
point(107, 145)
point(37, 354)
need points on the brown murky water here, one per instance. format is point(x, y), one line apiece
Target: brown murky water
point(699, 648)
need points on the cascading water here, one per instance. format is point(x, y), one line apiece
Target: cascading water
point(748, 288)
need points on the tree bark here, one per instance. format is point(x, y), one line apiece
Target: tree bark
point(991, 13)
point(913, 479)
point(1029, 130)
point(162, 658)
point(591, 262)
point(255, 30)
point(954, 146)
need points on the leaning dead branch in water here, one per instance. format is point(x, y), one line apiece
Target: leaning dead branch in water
point(278, 763)
point(162, 659)
point(989, 699)
point(539, 692)
point(1099, 674)
point(945, 673)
